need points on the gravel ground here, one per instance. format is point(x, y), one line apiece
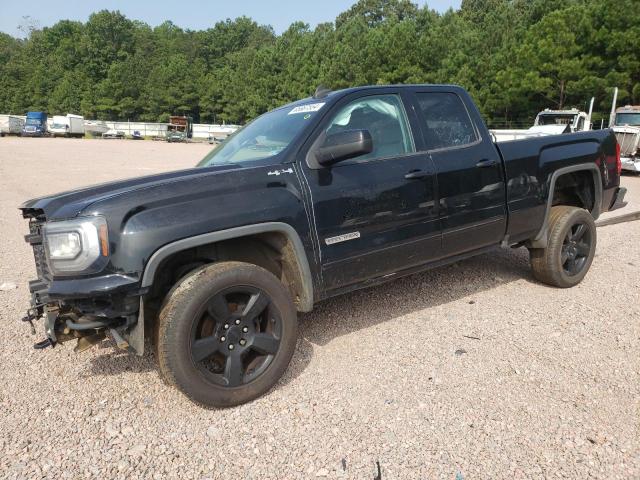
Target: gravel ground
point(468, 371)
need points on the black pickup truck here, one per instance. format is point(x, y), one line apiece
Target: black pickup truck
point(326, 195)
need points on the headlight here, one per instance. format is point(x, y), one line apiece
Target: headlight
point(64, 246)
point(74, 246)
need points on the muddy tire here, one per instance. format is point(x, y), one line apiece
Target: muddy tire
point(226, 333)
point(571, 248)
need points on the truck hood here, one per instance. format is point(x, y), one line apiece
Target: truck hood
point(69, 204)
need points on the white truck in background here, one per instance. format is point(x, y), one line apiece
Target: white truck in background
point(67, 126)
point(11, 125)
point(550, 122)
point(625, 123)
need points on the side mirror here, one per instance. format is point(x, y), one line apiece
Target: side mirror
point(344, 145)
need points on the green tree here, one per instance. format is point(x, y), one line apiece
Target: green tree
point(515, 57)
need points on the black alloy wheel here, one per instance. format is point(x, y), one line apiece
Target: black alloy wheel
point(236, 337)
point(226, 333)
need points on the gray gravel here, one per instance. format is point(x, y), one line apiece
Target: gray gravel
point(468, 371)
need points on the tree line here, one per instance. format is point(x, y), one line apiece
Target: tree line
point(514, 56)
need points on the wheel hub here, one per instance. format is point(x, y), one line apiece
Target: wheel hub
point(234, 335)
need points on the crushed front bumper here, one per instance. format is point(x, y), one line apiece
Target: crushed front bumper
point(84, 309)
point(64, 321)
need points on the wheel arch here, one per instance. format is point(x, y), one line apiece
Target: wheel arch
point(294, 255)
point(541, 239)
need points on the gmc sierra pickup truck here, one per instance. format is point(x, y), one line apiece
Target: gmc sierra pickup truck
point(326, 195)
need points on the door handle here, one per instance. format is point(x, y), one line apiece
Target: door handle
point(417, 174)
point(486, 163)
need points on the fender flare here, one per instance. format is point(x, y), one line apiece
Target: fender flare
point(306, 302)
point(541, 238)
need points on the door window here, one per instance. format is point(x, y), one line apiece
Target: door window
point(384, 117)
point(447, 121)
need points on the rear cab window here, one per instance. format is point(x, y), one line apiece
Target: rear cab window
point(446, 121)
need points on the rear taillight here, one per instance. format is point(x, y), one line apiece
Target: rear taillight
point(618, 161)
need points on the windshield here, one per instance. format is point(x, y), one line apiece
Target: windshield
point(556, 119)
point(58, 125)
point(263, 138)
point(628, 118)
point(33, 121)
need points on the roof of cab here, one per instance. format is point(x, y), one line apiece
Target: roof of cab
point(331, 94)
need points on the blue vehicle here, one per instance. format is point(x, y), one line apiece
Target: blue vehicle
point(35, 125)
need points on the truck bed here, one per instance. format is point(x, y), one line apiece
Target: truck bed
point(531, 163)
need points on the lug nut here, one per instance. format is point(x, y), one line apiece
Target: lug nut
point(231, 347)
point(245, 329)
point(238, 321)
point(243, 342)
point(222, 339)
point(226, 326)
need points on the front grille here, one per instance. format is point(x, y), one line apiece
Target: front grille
point(35, 234)
point(628, 143)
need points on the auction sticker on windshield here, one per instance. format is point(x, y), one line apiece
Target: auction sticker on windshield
point(311, 107)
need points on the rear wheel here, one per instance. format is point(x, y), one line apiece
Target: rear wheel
point(571, 248)
point(226, 333)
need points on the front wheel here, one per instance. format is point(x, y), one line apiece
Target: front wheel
point(570, 250)
point(226, 333)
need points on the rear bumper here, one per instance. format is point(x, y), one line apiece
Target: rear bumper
point(618, 199)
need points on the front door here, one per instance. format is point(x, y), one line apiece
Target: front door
point(374, 214)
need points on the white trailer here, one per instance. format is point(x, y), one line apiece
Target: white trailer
point(67, 126)
point(11, 125)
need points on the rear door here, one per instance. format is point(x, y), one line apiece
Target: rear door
point(375, 214)
point(470, 177)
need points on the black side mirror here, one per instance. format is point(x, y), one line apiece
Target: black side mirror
point(344, 145)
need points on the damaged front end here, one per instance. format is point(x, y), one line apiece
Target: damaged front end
point(84, 309)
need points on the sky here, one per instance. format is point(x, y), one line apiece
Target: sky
point(188, 14)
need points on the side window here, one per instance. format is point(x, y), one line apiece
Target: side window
point(384, 117)
point(580, 126)
point(447, 120)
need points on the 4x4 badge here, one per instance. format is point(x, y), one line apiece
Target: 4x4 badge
point(342, 238)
